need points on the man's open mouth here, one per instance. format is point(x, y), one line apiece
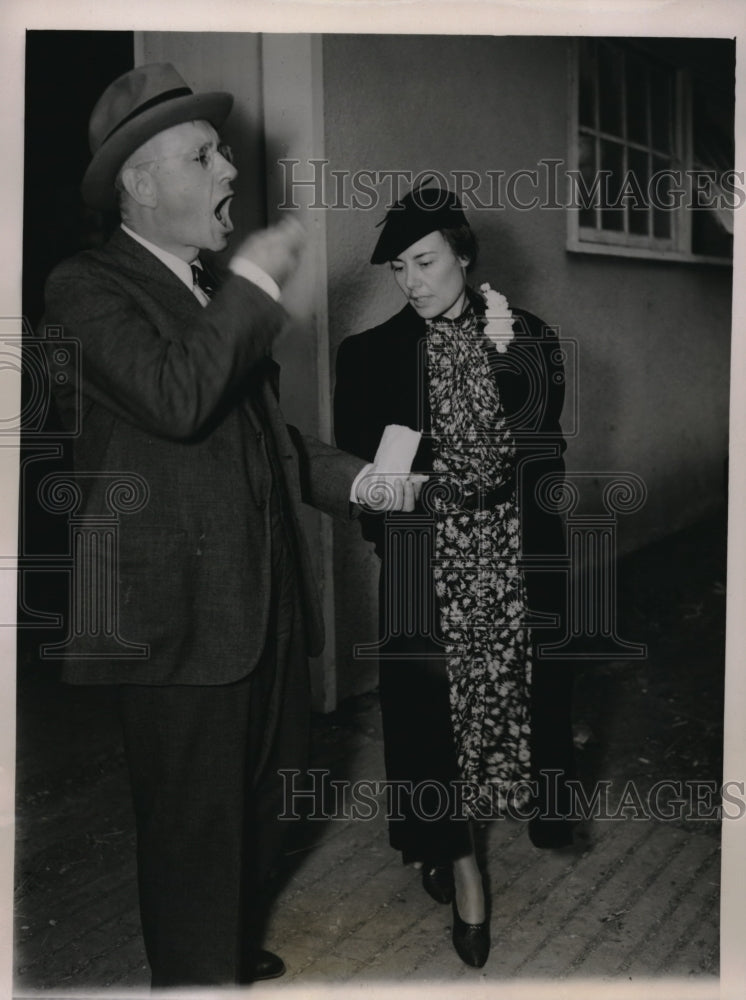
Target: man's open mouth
point(222, 212)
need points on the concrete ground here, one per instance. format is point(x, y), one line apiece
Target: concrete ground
point(636, 897)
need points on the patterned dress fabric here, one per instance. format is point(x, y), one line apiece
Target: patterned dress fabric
point(478, 581)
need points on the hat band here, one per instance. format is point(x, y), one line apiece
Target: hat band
point(167, 95)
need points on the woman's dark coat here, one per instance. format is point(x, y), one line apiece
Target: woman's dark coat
point(382, 379)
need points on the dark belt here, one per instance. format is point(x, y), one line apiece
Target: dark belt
point(480, 499)
point(484, 499)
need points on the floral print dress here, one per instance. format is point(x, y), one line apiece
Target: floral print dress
point(478, 581)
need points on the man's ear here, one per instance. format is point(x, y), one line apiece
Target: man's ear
point(139, 185)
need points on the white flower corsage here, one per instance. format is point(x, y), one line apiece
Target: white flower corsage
point(499, 325)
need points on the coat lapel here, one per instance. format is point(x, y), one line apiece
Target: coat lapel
point(132, 258)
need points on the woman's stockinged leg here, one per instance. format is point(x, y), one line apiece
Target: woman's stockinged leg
point(470, 932)
point(469, 887)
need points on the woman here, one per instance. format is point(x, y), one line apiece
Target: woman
point(458, 700)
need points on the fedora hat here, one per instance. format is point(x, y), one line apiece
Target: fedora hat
point(420, 212)
point(135, 107)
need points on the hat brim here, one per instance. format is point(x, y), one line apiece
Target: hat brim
point(97, 188)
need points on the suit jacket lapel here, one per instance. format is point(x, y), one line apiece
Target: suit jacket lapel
point(131, 257)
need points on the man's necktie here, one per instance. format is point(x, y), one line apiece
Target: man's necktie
point(202, 279)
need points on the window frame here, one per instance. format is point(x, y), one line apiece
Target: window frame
point(623, 244)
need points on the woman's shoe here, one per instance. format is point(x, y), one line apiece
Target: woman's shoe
point(471, 941)
point(266, 965)
point(437, 881)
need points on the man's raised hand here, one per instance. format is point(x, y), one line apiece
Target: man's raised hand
point(276, 249)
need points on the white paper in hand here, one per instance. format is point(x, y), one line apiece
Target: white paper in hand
point(396, 449)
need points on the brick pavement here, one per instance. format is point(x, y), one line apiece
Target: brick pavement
point(635, 898)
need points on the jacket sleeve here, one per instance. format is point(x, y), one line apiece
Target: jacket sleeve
point(531, 382)
point(355, 427)
point(532, 392)
point(326, 474)
point(167, 380)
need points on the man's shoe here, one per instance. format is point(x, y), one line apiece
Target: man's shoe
point(437, 881)
point(267, 966)
point(471, 941)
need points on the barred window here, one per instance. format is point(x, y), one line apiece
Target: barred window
point(651, 150)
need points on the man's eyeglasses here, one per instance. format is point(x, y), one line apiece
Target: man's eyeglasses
point(205, 155)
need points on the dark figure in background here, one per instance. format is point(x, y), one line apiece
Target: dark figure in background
point(465, 694)
point(178, 392)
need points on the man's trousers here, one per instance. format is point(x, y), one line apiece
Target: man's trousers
point(204, 763)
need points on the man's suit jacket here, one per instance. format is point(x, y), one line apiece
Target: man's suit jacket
point(185, 396)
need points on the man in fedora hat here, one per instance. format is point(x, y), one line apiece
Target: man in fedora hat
point(213, 609)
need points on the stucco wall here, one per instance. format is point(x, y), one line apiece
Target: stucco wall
point(652, 338)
